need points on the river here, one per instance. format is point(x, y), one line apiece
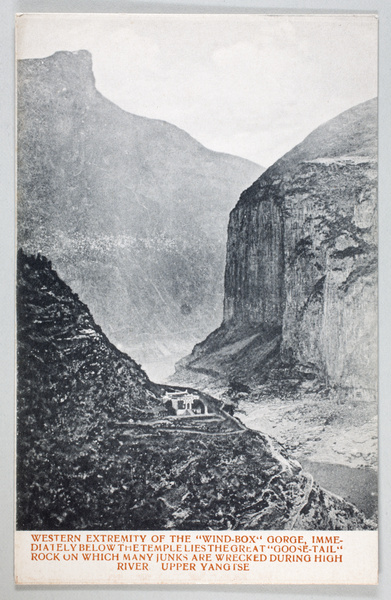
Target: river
point(358, 486)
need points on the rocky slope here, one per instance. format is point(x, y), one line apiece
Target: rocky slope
point(301, 270)
point(98, 449)
point(131, 211)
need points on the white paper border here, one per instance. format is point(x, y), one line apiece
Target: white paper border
point(7, 10)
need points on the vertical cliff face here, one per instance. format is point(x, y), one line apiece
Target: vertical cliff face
point(301, 260)
point(330, 270)
point(254, 231)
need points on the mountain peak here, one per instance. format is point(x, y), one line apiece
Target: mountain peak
point(348, 136)
point(70, 58)
point(64, 67)
point(351, 133)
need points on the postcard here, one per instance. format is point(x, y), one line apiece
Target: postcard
point(196, 298)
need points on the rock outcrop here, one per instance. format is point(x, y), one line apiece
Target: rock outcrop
point(98, 449)
point(301, 271)
point(131, 211)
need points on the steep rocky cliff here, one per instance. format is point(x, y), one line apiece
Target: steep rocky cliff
point(300, 279)
point(131, 211)
point(97, 448)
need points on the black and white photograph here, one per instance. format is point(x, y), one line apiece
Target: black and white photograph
point(197, 263)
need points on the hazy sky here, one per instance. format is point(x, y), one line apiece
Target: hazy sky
point(251, 85)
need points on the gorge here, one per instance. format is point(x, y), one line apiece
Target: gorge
point(300, 278)
point(296, 353)
point(98, 449)
point(122, 226)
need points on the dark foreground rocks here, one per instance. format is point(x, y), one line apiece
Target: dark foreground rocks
point(98, 449)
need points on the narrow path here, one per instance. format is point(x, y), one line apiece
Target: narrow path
point(178, 430)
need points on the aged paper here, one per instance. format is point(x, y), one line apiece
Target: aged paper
point(196, 299)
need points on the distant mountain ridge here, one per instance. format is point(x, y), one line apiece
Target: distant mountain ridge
point(301, 268)
point(132, 211)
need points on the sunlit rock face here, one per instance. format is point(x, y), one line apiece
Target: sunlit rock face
point(98, 449)
point(302, 263)
point(330, 277)
point(132, 211)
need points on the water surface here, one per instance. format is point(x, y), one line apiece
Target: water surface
point(358, 486)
